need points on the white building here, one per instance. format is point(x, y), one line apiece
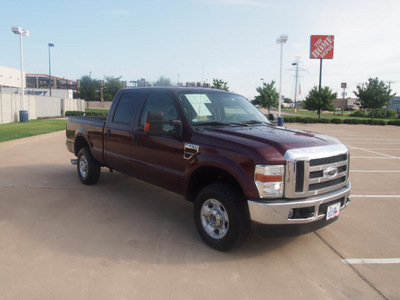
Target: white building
point(10, 77)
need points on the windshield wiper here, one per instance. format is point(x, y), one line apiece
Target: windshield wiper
point(254, 122)
point(216, 123)
point(211, 123)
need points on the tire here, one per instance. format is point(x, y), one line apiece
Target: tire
point(88, 168)
point(222, 217)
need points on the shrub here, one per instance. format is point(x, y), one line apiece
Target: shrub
point(358, 113)
point(289, 118)
point(336, 121)
point(72, 113)
point(391, 114)
point(312, 120)
point(377, 122)
point(394, 122)
point(325, 120)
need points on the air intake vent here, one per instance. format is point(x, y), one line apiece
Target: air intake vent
point(299, 176)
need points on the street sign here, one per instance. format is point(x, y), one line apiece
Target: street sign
point(322, 46)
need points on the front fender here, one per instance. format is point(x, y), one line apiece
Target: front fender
point(242, 170)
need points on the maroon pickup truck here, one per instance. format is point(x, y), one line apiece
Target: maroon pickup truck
point(217, 150)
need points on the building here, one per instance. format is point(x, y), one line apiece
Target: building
point(10, 77)
point(36, 84)
point(395, 104)
point(346, 104)
point(42, 81)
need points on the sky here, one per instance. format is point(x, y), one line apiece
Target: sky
point(202, 40)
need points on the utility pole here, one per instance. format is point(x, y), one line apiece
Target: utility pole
point(343, 86)
point(296, 64)
point(389, 82)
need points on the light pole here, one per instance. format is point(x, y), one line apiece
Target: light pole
point(23, 114)
point(281, 40)
point(50, 45)
point(295, 87)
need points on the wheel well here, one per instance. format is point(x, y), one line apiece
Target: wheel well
point(79, 143)
point(208, 175)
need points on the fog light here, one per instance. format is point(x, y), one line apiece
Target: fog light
point(290, 214)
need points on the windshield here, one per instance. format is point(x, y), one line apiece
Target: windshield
point(214, 108)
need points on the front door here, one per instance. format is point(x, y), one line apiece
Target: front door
point(161, 157)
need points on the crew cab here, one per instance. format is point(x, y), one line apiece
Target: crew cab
point(218, 151)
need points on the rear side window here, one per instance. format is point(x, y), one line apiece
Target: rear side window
point(126, 107)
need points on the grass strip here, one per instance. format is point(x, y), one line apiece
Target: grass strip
point(13, 131)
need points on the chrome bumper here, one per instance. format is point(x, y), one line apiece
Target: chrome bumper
point(297, 211)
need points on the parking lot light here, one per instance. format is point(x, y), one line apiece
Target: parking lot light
point(22, 32)
point(281, 40)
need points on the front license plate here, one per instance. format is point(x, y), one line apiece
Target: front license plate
point(333, 211)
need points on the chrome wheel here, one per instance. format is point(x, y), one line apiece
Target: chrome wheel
point(83, 166)
point(214, 219)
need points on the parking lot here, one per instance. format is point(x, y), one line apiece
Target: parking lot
point(125, 239)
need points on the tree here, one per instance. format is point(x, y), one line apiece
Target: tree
point(111, 86)
point(162, 81)
point(220, 85)
point(268, 96)
point(89, 88)
point(320, 100)
point(288, 100)
point(373, 95)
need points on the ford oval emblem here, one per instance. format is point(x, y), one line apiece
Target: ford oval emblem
point(331, 172)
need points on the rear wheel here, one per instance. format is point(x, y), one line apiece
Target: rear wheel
point(88, 167)
point(221, 217)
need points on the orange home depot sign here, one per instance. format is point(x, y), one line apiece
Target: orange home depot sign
point(322, 46)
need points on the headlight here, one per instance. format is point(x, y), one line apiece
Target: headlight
point(269, 180)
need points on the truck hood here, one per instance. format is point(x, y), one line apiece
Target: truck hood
point(264, 137)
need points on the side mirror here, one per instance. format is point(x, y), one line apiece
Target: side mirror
point(154, 122)
point(155, 125)
point(273, 118)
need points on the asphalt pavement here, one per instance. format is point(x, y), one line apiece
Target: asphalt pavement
point(125, 239)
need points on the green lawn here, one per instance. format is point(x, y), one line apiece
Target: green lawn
point(12, 131)
point(307, 113)
point(97, 110)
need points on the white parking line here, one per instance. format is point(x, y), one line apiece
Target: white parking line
point(374, 196)
point(374, 152)
point(371, 142)
point(371, 157)
point(378, 261)
point(373, 171)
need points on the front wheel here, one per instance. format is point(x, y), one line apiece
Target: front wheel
point(221, 216)
point(88, 167)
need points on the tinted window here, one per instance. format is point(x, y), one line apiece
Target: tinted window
point(126, 107)
point(160, 102)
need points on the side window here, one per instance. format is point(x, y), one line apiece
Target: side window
point(126, 107)
point(160, 102)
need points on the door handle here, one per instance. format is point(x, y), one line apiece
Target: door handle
point(108, 133)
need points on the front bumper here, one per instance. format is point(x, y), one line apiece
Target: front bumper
point(297, 211)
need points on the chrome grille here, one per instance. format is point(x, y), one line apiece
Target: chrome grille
point(317, 170)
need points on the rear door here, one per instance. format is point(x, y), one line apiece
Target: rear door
point(119, 136)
